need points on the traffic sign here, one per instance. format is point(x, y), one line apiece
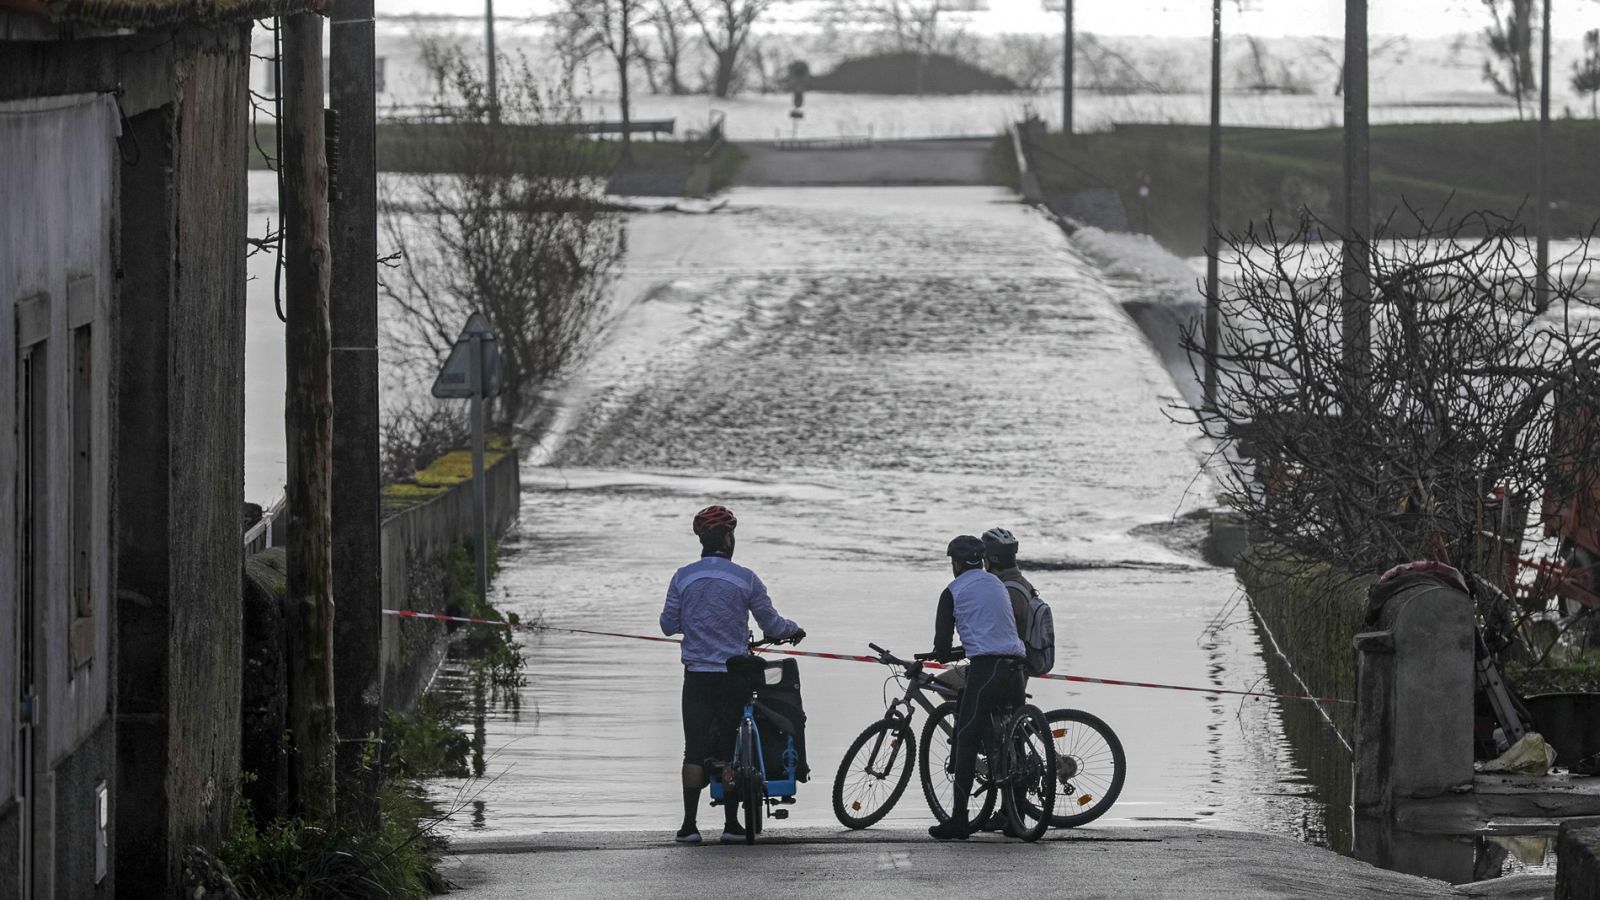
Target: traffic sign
point(455, 379)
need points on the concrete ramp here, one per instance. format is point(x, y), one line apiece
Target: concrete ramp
point(956, 161)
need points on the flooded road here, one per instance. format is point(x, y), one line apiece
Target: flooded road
point(862, 374)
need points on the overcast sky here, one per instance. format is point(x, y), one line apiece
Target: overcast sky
point(1419, 18)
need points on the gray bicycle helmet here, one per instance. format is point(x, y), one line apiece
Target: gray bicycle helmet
point(1000, 546)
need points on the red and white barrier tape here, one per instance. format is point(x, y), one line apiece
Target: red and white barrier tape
point(846, 657)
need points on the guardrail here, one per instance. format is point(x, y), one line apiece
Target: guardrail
point(268, 531)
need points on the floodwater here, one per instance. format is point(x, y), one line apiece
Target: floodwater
point(862, 374)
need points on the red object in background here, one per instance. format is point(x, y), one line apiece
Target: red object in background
point(33, 7)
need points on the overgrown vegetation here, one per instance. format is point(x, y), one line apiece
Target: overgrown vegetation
point(1281, 172)
point(448, 470)
point(1578, 673)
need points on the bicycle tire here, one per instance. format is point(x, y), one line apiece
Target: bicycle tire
point(888, 745)
point(935, 744)
point(1090, 767)
point(1030, 777)
point(752, 782)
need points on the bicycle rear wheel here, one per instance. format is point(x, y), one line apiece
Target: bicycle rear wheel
point(873, 773)
point(1030, 776)
point(937, 770)
point(1090, 767)
point(752, 782)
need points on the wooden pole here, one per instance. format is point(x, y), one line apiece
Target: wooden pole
point(1542, 169)
point(356, 502)
point(308, 410)
point(1066, 69)
point(494, 62)
point(1213, 323)
point(1356, 325)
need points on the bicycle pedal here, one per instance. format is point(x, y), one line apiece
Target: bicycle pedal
point(780, 814)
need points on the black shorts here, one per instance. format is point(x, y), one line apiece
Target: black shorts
point(712, 704)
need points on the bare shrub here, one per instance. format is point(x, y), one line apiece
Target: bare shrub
point(515, 226)
point(1364, 461)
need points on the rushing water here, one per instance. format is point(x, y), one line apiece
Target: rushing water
point(861, 374)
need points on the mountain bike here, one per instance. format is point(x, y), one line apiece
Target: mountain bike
point(1089, 768)
point(1017, 762)
point(745, 777)
point(877, 767)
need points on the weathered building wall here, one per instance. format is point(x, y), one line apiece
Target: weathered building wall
point(57, 175)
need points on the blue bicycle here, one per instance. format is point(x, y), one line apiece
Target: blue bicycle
point(747, 779)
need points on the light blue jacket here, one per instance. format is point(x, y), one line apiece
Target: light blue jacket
point(710, 603)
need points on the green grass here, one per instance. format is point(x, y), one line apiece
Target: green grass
point(1455, 168)
point(442, 475)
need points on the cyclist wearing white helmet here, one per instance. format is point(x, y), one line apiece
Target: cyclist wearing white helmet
point(976, 607)
point(710, 603)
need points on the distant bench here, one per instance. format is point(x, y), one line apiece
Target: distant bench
point(654, 127)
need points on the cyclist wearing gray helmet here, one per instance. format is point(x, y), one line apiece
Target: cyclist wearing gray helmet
point(1000, 559)
point(976, 607)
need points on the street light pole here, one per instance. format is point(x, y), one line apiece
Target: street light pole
point(494, 90)
point(1066, 69)
point(1541, 216)
point(1214, 210)
point(1356, 322)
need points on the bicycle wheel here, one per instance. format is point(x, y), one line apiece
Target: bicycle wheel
point(752, 782)
point(1090, 767)
point(1029, 781)
point(936, 769)
point(873, 773)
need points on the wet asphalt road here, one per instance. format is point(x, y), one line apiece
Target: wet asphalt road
point(904, 864)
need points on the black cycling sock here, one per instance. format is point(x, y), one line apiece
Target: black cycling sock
point(730, 817)
point(691, 807)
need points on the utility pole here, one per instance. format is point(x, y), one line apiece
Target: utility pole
point(494, 89)
point(1356, 322)
point(1541, 216)
point(308, 411)
point(1066, 69)
point(1214, 211)
point(357, 542)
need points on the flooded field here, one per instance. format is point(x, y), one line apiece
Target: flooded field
point(861, 374)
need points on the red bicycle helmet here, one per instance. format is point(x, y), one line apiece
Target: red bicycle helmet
point(714, 518)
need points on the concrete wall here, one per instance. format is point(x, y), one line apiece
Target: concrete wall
point(1313, 618)
point(415, 544)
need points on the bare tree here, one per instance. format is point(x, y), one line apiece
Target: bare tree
point(522, 234)
point(726, 25)
point(1586, 72)
point(669, 20)
point(1511, 43)
point(611, 25)
point(1464, 391)
point(1031, 60)
point(1331, 50)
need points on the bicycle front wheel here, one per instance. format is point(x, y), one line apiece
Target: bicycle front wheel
point(873, 773)
point(936, 766)
point(1090, 767)
point(1030, 776)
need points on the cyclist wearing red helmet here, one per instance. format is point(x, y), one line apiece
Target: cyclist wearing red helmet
point(710, 603)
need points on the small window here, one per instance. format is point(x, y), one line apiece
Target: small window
point(83, 491)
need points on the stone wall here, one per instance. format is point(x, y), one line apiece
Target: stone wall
point(416, 543)
point(416, 546)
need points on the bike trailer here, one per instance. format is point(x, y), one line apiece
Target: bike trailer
point(781, 717)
